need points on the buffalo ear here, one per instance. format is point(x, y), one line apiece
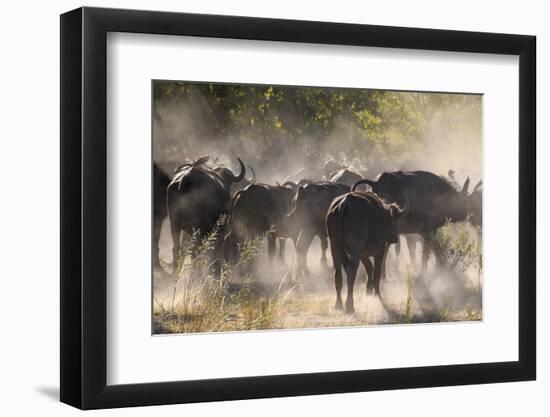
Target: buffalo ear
point(465, 186)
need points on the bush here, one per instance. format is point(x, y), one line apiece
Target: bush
point(458, 245)
point(208, 303)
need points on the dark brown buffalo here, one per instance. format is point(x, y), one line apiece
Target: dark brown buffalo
point(198, 196)
point(160, 183)
point(309, 209)
point(254, 211)
point(433, 201)
point(414, 240)
point(359, 226)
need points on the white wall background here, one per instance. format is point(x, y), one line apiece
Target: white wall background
point(29, 178)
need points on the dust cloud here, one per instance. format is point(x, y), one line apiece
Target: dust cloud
point(449, 138)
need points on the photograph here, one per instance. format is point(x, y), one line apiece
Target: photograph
point(300, 207)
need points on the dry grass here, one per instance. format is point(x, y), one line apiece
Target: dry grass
point(196, 302)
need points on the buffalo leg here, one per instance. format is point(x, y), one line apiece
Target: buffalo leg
point(337, 260)
point(176, 249)
point(157, 227)
point(282, 244)
point(324, 246)
point(395, 265)
point(369, 268)
point(351, 266)
point(430, 243)
point(425, 257)
point(302, 246)
point(383, 269)
point(379, 261)
point(397, 247)
point(271, 247)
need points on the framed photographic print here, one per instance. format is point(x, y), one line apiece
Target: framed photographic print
point(256, 208)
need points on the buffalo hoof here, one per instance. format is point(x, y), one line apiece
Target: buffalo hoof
point(338, 306)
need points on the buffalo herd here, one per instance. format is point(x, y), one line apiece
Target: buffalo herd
point(360, 217)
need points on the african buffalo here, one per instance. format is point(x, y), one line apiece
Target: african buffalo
point(160, 183)
point(254, 211)
point(433, 201)
point(413, 240)
point(198, 196)
point(360, 225)
point(309, 209)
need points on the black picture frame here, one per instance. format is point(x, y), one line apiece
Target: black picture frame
point(84, 207)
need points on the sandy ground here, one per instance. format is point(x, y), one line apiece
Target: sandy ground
point(278, 300)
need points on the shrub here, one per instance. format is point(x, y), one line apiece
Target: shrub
point(458, 245)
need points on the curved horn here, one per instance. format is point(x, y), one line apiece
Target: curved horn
point(465, 186)
point(240, 177)
point(402, 212)
point(478, 185)
point(253, 178)
point(363, 181)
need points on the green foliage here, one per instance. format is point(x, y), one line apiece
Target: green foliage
point(385, 126)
